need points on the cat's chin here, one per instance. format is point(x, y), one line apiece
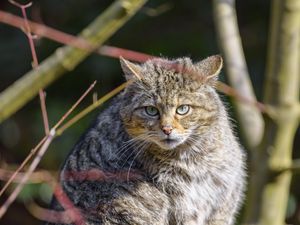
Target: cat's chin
point(169, 144)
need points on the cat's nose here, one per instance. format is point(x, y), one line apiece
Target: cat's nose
point(167, 129)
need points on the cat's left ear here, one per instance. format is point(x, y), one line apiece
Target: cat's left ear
point(210, 68)
point(131, 70)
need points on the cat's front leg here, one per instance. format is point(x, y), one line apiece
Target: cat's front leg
point(221, 218)
point(142, 204)
point(225, 212)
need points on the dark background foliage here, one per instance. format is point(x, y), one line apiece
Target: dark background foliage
point(185, 28)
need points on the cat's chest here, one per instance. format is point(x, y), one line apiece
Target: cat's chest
point(192, 193)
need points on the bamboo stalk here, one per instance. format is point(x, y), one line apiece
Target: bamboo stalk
point(66, 58)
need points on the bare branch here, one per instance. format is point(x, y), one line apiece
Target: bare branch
point(66, 58)
point(229, 91)
point(294, 167)
point(32, 167)
point(49, 215)
point(42, 150)
point(67, 204)
point(91, 108)
point(37, 177)
point(35, 60)
point(31, 154)
point(33, 151)
point(250, 118)
point(75, 105)
point(67, 39)
point(110, 51)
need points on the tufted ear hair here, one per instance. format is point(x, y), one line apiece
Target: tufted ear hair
point(131, 70)
point(210, 68)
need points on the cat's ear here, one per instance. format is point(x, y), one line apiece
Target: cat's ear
point(131, 70)
point(210, 68)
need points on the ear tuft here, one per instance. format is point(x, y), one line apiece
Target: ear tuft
point(210, 68)
point(131, 70)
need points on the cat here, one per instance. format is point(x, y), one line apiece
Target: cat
point(162, 153)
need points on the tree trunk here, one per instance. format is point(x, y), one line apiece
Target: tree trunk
point(270, 179)
point(249, 117)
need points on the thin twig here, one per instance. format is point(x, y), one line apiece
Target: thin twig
point(49, 215)
point(229, 91)
point(67, 204)
point(35, 63)
point(67, 39)
point(37, 158)
point(74, 106)
point(91, 108)
point(36, 177)
point(32, 152)
point(66, 58)
point(71, 214)
point(32, 167)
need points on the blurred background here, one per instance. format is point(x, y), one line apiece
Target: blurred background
point(162, 28)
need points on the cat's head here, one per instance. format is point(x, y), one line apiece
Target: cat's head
point(170, 102)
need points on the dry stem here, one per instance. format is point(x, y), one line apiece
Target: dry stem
point(32, 167)
point(35, 61)
point(66, 58)
point(31, 154)
point(44, 147)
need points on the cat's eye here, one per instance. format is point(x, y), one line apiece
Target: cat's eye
point(183, 109)
point(151, 110)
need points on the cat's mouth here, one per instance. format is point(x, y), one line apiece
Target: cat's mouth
point(169, 143)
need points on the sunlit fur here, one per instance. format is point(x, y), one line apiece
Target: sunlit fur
point(192, 165)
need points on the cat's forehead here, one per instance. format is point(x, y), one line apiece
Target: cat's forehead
point(170, 76)
point(165, 67)
point(167, 82)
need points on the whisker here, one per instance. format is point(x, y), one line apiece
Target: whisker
point(142, 149)
point(141, 144)
point(129, 143)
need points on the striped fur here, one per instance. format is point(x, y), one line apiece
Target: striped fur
point(131, 172)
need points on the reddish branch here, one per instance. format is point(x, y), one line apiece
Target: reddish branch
point(74, 106)
point(110, 51)
point(35, 60)
point(27, 175)
point(67, 39)
point(36, 160)
point(71, 214)
point(31, 154)
point(229, 91)
point(67, 204)
point(49, 215)
point(36, 177)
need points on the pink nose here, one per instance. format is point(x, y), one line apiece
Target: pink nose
point(167, 129)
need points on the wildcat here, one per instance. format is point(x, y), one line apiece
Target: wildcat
point(162, 153)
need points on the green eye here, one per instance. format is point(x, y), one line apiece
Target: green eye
point(183, 109)
point(151, 110)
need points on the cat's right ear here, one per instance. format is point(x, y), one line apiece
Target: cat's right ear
point(210, 68)
point(131, 70)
